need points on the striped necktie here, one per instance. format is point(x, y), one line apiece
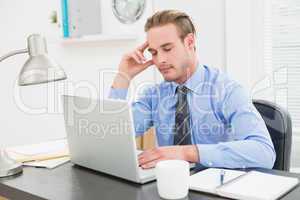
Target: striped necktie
point(182, 118)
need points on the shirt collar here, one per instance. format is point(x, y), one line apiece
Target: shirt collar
point(194, 82)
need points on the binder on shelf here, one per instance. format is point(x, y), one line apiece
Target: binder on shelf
point(65, 18)
point(80, 18)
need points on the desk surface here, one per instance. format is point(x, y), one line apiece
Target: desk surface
point(73, 182)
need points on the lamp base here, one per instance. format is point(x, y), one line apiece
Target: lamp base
point(8, 166)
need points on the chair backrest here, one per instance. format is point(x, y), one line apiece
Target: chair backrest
point(279, 125)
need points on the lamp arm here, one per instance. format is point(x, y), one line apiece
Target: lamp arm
point(12, 53)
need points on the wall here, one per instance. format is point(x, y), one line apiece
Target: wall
point(210, 22)
point(33, 114)
point(245, 54)
point(244, 41)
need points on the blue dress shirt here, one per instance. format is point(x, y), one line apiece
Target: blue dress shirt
point(225, 126)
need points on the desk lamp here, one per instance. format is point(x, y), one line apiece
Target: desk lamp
point(39, 68)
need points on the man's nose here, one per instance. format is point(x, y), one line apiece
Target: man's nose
point(161, 58)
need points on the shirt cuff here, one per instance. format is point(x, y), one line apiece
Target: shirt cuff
point(118, 93)
point(210, 155)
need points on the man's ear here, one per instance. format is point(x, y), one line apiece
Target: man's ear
point(190, 41)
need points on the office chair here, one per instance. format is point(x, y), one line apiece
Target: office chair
point(279, 125)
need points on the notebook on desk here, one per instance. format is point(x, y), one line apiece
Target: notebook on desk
point(251, 185)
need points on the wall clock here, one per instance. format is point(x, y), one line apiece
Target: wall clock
point(128, 11)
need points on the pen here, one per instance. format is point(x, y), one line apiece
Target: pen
point(222, 176)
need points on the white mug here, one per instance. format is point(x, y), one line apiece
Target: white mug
point(172, 178)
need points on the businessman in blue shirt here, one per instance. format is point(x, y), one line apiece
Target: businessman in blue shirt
point(200, 114)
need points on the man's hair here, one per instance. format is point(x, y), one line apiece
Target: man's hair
point(181, 20)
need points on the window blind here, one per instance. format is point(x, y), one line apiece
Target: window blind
point(282, 53)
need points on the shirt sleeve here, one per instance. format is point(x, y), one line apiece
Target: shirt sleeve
point(141, 108)
point(118, 93)
point(251, 145)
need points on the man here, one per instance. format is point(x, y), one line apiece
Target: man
point(200, 115)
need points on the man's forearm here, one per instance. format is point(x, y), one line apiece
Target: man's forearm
point(237, 154)
point(191, 153)
point(121, 81)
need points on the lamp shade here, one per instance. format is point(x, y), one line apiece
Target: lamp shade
point(39, 68)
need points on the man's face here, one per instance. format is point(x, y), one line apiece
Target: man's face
point(169, 53)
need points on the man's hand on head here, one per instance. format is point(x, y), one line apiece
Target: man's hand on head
point(149, 158)
point(131, 64)
point(135, 62)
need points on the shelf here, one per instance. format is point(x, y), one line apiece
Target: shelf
point(97, 38)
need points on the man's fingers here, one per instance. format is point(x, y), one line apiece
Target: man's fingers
point(140, 55)
point(151, 164)
point(147, 153)
point(136, 58)
point(147, 157)
point(143, 46)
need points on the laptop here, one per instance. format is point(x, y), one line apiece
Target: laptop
point(101, 137)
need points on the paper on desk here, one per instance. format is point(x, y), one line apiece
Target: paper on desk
point(41, 148)
point(40, 152)
point(50, 164)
